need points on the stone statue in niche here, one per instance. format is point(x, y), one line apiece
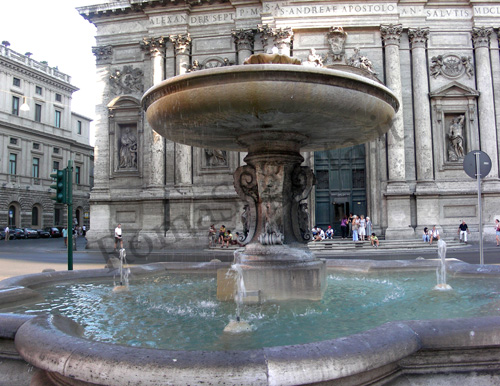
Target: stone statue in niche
point(456, 139)
point(216, 157)
point(128, 150)
point(127, 81)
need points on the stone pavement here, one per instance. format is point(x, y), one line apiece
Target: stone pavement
point(21, 257)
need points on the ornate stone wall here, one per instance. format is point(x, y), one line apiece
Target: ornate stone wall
point(441, 60)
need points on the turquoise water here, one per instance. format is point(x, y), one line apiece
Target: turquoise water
point(180, 311)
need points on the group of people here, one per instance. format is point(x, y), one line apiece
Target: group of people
point(224, 237)
point(359, 227)
point(430, 235)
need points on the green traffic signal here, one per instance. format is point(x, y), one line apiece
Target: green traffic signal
point(59, 186)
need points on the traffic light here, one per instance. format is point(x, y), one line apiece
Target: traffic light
point(60, 186)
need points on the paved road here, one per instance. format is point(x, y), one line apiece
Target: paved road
point(18, 257)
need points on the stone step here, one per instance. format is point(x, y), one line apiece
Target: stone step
point(384, 244)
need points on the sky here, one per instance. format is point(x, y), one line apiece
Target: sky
point(53, 31)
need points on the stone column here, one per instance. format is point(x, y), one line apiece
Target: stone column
point(397, 193)
point(423, 132)
point(244, 40)
point(183, 153)
point(156, 49)
point(391, 35)
point(486, 107)
point(281, 38)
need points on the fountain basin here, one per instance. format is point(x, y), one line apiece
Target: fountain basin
point(233, 108)
point(427, 349)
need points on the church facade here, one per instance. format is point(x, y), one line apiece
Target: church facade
point(441, 59)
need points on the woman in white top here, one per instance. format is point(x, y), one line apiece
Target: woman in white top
point(362, 227)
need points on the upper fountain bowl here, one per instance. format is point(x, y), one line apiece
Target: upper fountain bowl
point(232, 107)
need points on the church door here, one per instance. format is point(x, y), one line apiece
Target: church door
point(340, 185)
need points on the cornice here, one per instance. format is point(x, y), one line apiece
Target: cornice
point(123, 7)
point(20, 130)
point(14, 66)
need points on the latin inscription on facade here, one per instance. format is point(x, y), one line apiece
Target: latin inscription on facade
point(280, 10)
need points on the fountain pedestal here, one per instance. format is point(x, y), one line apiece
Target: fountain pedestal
point(275, 187)
point(272, 111)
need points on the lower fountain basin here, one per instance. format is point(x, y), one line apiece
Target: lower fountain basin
point(415, 348)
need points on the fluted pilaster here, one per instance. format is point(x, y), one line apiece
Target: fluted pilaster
point(423, 133)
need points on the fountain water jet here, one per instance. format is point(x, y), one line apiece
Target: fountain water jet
point(441, 269)
point(124, 273)
point(273, 112)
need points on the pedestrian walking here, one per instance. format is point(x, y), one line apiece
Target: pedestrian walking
point(7, 233)
point(65, 236)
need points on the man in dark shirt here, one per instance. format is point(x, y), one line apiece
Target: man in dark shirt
point(463, 229)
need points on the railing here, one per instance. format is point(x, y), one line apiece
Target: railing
point(39, 66)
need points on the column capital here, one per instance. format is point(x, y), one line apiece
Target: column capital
point(391, 33)
point(104, 55)
point(154, 46)
point(244, 39)
point(281, 37)
point(418, 37)
point(182, 43)
point(481, 36)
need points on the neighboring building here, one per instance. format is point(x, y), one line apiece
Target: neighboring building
point(36, 142)
point(440, 58)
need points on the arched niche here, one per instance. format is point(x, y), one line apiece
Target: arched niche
point(126, 132)
point(454, 120)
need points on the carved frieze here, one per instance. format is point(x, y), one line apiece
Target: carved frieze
point(481, 36)
point(336, 38)
point(216, 62)
point(391, 33)
point(451, 66)
point(182, 43)
point(103, 55)
point(244, 39)
point(128, 80)
point(215, 158)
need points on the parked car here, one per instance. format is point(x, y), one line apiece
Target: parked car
point(2, 235)
point(17, 233)
point(54, 232)
point(43, 233)
point(30, 233)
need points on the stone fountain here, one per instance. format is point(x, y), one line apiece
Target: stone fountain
point(273, 110)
